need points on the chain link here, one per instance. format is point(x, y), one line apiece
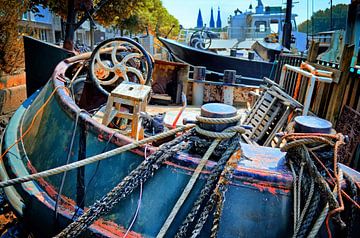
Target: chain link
point(139, 175)
point(204, 194)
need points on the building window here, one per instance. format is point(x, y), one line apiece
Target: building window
point(43, 35)
point(260, 26)
point(274, 26)
point(25, 16)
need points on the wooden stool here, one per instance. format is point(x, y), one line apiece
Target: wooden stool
point(127, 93)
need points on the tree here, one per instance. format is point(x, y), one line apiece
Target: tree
point(132, 15)
point(320, 20)
point(11, 44)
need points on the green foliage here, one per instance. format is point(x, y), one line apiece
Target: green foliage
point(135, 16)
point(320, 20)
point(131, 15)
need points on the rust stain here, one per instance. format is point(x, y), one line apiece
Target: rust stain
point(9, 81)
point(265, 187)
point(113, 230)
point(65, 202)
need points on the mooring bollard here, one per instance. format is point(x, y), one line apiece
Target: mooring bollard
point(311, 124)
point(233, 52)
point(229, 78)
point(217, 110)
point(198, 86)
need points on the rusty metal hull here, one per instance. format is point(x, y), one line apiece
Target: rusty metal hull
point(258, 198)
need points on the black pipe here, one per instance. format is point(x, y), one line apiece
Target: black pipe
point(80, 181)
point(70, 26)
point(286, 41)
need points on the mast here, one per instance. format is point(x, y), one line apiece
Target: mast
point(286, 40)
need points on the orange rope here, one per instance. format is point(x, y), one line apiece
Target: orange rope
point(335, 181)
point(32, 122)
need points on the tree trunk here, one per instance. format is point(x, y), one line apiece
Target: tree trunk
point(70, 26)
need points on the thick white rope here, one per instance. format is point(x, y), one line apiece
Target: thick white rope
point(92, 159)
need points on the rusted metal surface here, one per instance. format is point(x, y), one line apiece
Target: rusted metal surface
point(214, 93)
point(168, 78)
point(8, 81)
point(349, 124)
point(11, 98)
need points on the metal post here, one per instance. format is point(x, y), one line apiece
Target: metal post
point(70, 26)
point(198, 86)
point(229, 78)
point(286, 41)
point(92, 37)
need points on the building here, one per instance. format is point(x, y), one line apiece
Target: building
point(43, 25)
point(212, 22)
point(47, 26)
point(199, 22)
point(218, 20)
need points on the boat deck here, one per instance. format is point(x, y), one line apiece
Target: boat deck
point(189, 113)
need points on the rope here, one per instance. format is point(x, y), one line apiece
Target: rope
point(187, 189)
point(221, 189)
point(209, 186)
point(208, 120)
point(306, 206)
point(93, 159)
point(297, 142)
point(67, 162)
point(294, 193)
point(319, 222)
point(136, 212)
point(299, 190)
point(226, 134)
point(32, 121)
point(140, 175)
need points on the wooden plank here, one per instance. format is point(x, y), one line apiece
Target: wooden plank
point(313, 51)
point(267, 126)
point(162, 99)
point(335, 104)
point(265, 113)
point(336, 72)
point(279, 125)
point(318, 97)
point(131, 91)
point(354, 94)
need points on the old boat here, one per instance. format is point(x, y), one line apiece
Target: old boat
point(247, 68)
point(56, 126)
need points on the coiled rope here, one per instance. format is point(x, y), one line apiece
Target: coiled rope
point(297, 143)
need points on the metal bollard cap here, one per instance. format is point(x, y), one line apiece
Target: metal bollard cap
point(217, 110)
point(311, 124)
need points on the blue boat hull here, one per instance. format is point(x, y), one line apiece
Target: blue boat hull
point(258, 199)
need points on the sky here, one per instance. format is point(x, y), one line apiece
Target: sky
point(186, 11)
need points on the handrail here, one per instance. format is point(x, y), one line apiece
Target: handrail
point(309, 72)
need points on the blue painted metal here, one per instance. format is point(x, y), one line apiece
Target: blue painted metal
point(311, 124)
point(258, 198)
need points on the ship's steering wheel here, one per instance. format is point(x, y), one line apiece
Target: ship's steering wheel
point(200, 39)
point(119, 59)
